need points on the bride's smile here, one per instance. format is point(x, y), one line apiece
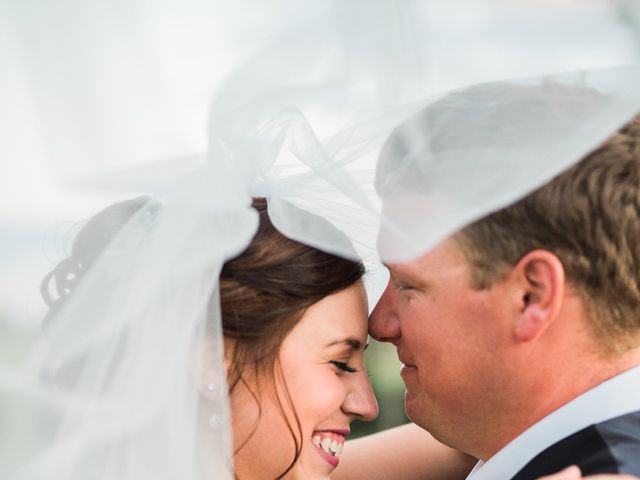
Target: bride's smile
point(330, 444)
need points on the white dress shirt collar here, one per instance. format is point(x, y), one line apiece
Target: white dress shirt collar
point(615, 397)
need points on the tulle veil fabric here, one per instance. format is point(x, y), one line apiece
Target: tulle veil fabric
point(124, 378)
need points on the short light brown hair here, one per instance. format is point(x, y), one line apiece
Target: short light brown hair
point(589, 216)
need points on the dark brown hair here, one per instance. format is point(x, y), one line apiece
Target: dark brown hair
point(265, 291)
point(89, 243)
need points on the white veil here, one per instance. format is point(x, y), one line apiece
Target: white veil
point(109, 101)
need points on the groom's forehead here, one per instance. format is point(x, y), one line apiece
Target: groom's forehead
point(412, 223)
point(444, 258)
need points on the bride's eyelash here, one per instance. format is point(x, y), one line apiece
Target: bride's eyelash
point(344, 366)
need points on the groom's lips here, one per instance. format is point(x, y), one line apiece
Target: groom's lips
point(405, 361)
point(407, 371)
point(406, 366)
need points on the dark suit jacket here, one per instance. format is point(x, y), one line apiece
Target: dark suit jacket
point(612, 446)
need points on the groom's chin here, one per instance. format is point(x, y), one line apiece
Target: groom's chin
point(421, 412)
point(414, 408)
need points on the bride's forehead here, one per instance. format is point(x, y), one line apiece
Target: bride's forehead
point(336, 318)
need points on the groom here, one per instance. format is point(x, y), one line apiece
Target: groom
point(520, 333)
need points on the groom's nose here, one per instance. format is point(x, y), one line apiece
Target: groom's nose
point(384, 324)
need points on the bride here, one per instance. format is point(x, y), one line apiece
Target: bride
point(294, 326)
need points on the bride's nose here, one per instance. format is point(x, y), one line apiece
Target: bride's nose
point(360, 400)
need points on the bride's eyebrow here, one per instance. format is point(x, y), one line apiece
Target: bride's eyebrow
point(354, 343)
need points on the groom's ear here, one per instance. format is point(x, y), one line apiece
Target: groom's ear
point(539, 282)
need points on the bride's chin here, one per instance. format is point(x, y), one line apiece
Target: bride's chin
point(308, 476)
point(310, 472)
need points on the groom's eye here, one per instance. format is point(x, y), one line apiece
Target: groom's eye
point(400, 286)
point(343, 366)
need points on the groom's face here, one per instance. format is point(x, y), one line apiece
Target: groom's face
point(451, 339)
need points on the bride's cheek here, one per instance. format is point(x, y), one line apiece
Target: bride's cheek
point(323, 393)
point(334, 391)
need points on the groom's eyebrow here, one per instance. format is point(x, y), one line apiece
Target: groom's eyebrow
point(405, 276)
point(394, 272)
point(388, 267)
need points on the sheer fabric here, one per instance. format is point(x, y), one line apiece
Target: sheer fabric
point(121, 376)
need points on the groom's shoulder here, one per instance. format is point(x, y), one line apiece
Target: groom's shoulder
point(610, 446)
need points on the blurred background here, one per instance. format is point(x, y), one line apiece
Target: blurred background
point(90, 87)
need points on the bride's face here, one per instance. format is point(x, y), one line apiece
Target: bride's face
point(322, 372)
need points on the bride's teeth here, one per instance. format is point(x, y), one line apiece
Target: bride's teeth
point(334, 446)
point(326, 444)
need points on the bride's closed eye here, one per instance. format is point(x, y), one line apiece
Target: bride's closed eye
point(343, 366)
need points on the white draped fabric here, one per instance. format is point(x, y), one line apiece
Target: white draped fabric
point(201, 105)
